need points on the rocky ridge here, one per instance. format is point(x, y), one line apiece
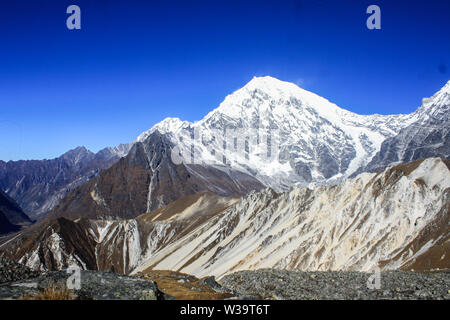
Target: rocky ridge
point(394, 219)
point(38, 185)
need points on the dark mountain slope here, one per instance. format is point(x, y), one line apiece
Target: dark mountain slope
point(38, 185)
point(147, 179)
point(6, 226)
point(12, 218)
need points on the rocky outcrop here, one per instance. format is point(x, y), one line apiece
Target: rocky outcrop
point(94, 285)
point(11, 271)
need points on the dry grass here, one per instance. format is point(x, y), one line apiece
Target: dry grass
point(191, 289)
point(53, 292)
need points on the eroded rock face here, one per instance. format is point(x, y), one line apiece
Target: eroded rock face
point(387, 220)
point(117, 245)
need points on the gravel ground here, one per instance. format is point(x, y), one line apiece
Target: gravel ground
point(293, 285)
point(13, 271)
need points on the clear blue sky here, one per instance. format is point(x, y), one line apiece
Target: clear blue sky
point(134, 63)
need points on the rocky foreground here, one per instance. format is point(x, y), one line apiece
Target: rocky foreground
point(282, 284)
point(95, 285)
point(19, 282)
point(12, 271)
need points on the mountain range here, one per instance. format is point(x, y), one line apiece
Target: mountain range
point(394, 219)
point(38, 185)
point(12, 218)
point(427, 136)
point(318, 143)
point(276, 176)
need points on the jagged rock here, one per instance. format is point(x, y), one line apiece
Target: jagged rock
point(211, 282)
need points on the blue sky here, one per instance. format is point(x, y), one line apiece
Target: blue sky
point(134, 63)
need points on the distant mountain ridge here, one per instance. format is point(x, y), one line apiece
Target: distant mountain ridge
point(429, 136)
point(146, 179)
point(38, 185)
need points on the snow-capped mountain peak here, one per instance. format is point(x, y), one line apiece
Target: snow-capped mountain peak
point(271, 95)
point(437, 104)
point(318, 140)
point(427, 135)
point(315, 140)
point(121, 150)
point(170, 124)
point(446, 87)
